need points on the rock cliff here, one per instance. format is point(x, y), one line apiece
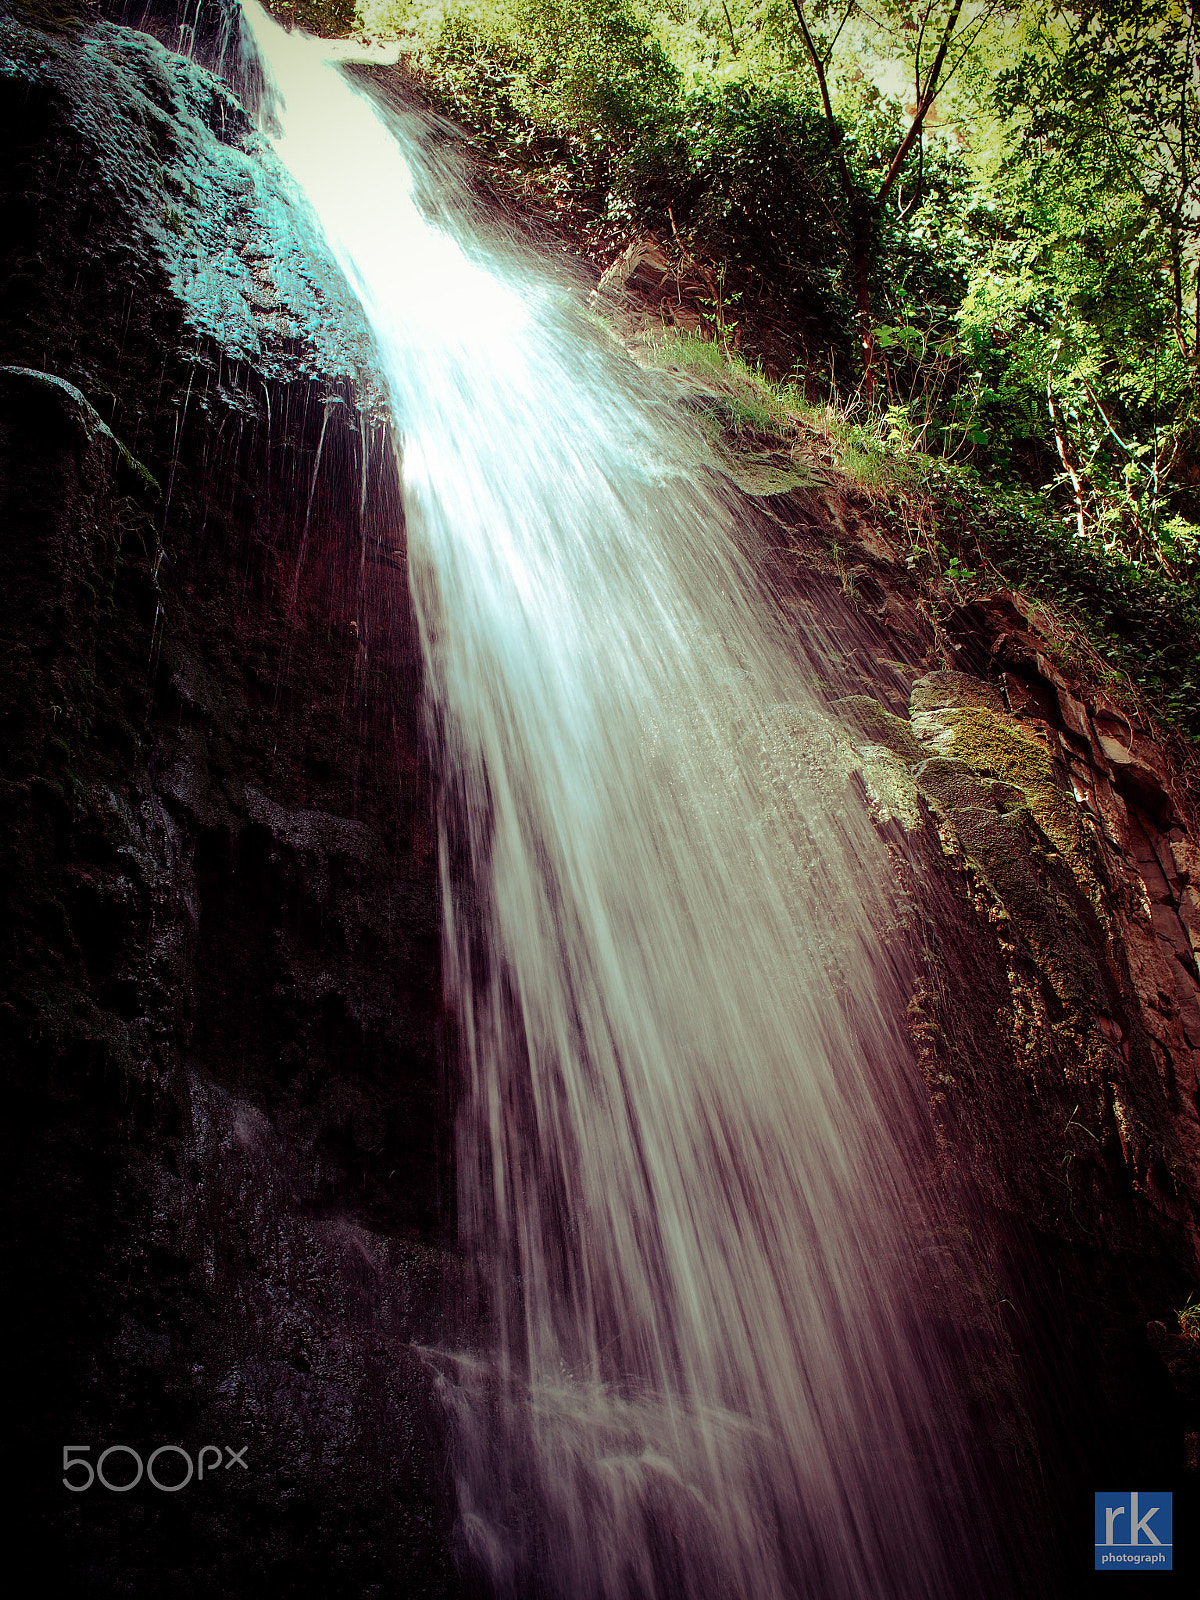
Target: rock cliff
point(228, 1153)
point(227, 1156)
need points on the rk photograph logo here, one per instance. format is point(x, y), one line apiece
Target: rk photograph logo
point(1133, 1530)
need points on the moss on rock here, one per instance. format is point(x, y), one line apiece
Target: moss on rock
point(868, 720)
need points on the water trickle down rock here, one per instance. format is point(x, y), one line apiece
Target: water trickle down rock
point(219, 950)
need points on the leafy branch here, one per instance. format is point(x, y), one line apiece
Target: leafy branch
point(864, 206)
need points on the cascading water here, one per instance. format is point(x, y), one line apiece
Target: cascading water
point(702, 1363)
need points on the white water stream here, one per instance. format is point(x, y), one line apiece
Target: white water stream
point(702, 1364)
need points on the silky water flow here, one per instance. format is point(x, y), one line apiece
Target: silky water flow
point(706, 1358)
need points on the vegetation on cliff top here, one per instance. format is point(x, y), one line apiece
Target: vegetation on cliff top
point(971, 230)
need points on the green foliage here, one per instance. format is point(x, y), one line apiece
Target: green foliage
point(553, 65)
point(876, 451)
point(598, 66)
point(758, 171)
point(1032, 271)
point(1143, 623)
point(1084, 292)
point(751, 406)
point(330, 18)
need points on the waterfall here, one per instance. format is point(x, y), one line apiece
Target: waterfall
point(708, 1352)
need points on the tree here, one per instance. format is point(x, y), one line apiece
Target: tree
point(1090, 289)
point(1114, 86)
point(601, 61)
point(936, 36)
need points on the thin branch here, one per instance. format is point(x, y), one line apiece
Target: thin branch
point(1162, 468)
point(970, 41)
point(903, 210)
point(818, 193)
point(1183, 99)
point(1155, 429)
point(1190, 355)
point(729, 25)
point(1091, 394)
point(923, 104)
point(818, 63)
point(850, 10)
point(920, 42)
point(1062, 448)
point(835, 131)
point(870, 15)
point(1152, 473)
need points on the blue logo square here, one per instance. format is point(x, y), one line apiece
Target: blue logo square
point(1133, 1531)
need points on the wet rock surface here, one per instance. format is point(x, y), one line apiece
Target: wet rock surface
point(226, 1149)
point(1042, 846)
point(201, 194)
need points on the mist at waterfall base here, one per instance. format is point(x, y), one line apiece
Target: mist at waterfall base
point(709, 1349)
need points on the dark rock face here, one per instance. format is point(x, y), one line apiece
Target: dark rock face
point(227, 1156)
point(1043, 852)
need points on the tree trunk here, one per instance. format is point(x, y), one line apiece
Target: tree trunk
point(863, 255)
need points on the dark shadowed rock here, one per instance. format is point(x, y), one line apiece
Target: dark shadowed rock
point(226, 1154)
